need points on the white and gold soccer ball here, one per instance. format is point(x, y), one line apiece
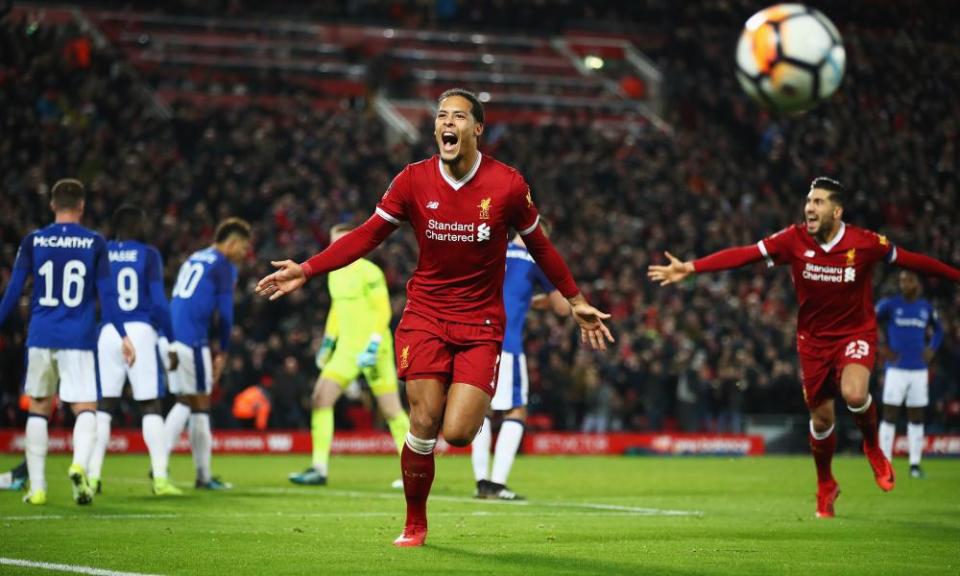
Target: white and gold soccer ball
point(790, 57)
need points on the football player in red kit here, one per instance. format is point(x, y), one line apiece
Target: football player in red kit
point(832, 264)
point(461, 205)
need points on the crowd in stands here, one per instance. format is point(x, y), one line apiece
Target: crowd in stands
point(695, 357)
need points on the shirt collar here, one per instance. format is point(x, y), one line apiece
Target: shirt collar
point(458, 184)
point(836, 239)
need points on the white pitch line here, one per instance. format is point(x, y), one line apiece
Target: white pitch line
point(67, 568)
point(91, 516)
point(635, 510)
point(638, 511)
point(477, 513)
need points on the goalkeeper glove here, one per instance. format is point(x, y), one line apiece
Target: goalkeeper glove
point(326, 349)
point(368, 357)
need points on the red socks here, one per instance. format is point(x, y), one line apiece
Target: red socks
point(866, 419)
point(823, 454)
point(418, 470)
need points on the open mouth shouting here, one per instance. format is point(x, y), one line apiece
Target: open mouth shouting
point(449, 142)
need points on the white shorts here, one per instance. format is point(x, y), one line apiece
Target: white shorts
point(146, 375)
point(194, 373)
point(912, 385)
point(75, 371)
point(512, 382)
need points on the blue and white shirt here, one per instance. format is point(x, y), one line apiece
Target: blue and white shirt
point(137, 273)
point(523, 276)
point(907, 324)
point(204, 286)
point(70, 267)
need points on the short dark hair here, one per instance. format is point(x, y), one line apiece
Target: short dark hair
point(67, 193)
point(232, 227)
point(476, 108)
point(838, 192)
point(128, 221)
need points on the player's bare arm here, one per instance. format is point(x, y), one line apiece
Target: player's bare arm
point(553, 301)
point(354, 245)
point(726, 259)
point(219, 363)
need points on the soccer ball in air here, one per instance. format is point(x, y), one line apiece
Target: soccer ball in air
point(790, 57)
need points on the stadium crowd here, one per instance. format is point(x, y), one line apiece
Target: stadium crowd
point(695, 358)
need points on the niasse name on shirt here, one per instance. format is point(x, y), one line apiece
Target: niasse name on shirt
point(123, 255)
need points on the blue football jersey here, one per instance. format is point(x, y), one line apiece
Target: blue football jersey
point(137, 273)
point(522, 277)
point(69, 265)
point(204, 285)
point(907, 324)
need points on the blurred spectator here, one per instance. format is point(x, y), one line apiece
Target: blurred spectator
point(290, 387)
point(251, 407)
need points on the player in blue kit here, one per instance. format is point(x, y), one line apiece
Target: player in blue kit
point(70, 267)
point(137, 277)
point(204, 287)
point(908, 318)
point(521, 280)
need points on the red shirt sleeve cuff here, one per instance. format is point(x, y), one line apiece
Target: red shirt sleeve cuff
point(307, 269)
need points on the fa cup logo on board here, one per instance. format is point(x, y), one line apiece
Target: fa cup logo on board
point(484, 207)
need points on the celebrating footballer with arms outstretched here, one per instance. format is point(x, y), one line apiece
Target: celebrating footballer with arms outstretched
point(461, 206)
point(832, 264)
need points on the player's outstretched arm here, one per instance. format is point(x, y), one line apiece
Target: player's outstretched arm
point(356, 244)
point(924, 264)
point(726, 259)
point(672, 273)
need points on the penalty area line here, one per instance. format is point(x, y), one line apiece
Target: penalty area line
point(67, 568)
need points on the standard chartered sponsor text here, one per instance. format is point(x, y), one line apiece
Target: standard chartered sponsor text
point(450, 231)
point(834, 274)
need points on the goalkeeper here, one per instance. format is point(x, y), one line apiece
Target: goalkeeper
point(356, 340)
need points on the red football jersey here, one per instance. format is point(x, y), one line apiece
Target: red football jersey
point(461, 228)
point(834, 282)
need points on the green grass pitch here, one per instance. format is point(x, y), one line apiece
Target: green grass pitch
point(586, 515)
